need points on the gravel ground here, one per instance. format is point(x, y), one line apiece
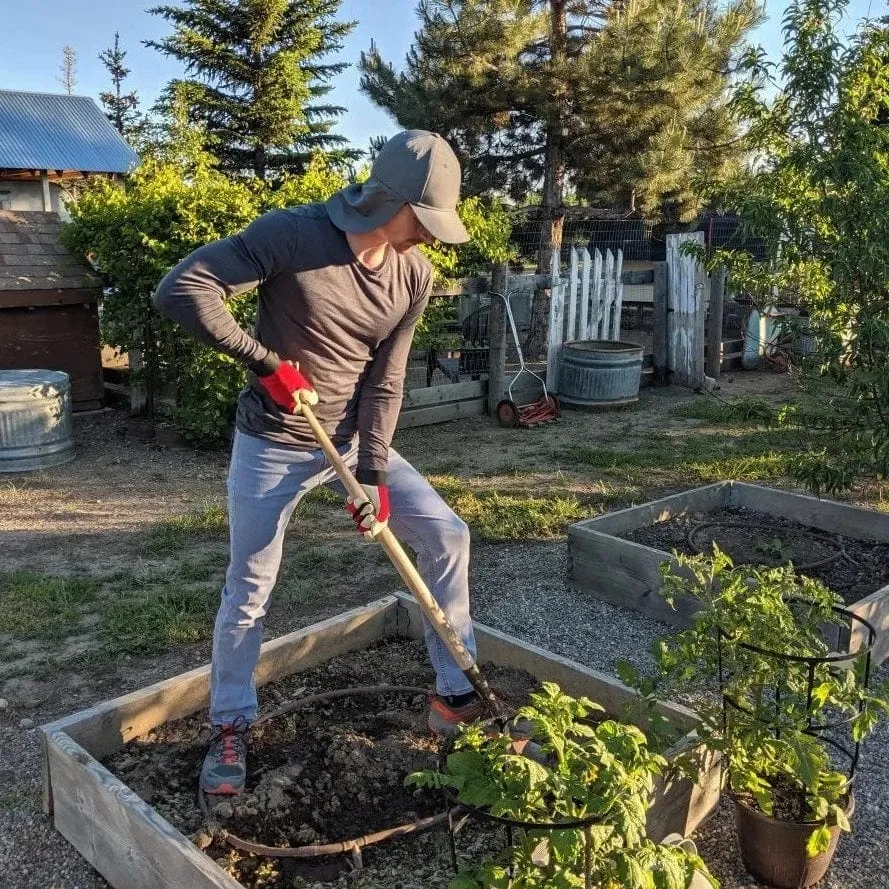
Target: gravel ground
point(519, 589)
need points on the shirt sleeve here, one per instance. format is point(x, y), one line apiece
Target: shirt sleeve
point(382, 392)
point(193, 293)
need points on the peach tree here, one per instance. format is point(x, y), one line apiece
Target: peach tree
point(816, 190)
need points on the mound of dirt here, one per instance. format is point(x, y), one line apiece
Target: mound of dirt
point(328, 772)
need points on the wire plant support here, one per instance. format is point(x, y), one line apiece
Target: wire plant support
point(460, 813)
point(793, 708)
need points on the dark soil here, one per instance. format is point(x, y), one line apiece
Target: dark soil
point(332, 771)
point(788, 801)
point(751, 537)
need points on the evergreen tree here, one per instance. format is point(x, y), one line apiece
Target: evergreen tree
point(654, 116)
point(68, 69)
point(120, 108)
point(621, 100)
point(257, 77)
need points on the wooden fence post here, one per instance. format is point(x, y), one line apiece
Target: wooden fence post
point(659, 321)
point(556, 326)
point(497, 339)
point(618, 296)
point(584, 331)
point(714, 322)
point(685, 293)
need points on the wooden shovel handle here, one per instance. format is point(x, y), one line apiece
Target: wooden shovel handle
point(405, 568)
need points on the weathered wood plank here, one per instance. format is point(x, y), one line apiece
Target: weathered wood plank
point(608, 289)
point(686, 324)
point(448, 392)
point(556, 326)
point(618, 296)
point(442, 413)
point(497, 338)
point(13, 299)
point(118, 833)
point(704, 499)
point(583, 330)
point(595, 331)
point(826, 515)
point(106, 727)
point(875, 610)
point(624, 573)
point(660, 325)
point(714, 323)
point(573, 282)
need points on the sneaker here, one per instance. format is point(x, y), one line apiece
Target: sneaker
point(225, 765)
point(444, 718)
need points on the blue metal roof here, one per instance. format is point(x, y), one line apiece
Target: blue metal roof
point(47, 131)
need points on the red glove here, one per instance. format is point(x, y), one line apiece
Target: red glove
point(371, 515)
point(288, 388)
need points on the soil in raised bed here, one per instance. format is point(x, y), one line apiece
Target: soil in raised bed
point(763, 539)
point(329, 772)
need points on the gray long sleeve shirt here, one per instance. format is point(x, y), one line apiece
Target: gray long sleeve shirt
point(349, 327)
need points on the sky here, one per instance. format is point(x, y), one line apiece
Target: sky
point(36, 31)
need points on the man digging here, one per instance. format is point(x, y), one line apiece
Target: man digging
point(341, 287)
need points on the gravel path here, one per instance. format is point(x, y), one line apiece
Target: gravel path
point(520, 589)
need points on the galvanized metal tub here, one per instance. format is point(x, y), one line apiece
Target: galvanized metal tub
point(35, 419)
point(599, 373)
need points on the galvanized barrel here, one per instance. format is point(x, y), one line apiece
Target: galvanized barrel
point(599, 373)
point(35, 419)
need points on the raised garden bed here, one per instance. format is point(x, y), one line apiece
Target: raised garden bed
point(617, 556)
point(137, 842)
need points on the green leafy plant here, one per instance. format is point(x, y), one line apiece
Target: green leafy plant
point(816, 193)
point(775, 762)
point(176, 201)
point(605, 770)
point(775, 548)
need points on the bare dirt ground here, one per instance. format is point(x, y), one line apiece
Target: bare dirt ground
point(137, 525)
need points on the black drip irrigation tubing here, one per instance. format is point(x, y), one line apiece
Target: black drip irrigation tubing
point(354, 845)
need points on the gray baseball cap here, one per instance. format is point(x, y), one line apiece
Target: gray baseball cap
point(414, 167)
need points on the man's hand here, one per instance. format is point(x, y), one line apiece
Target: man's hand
point(371, 515)
point(288, 388)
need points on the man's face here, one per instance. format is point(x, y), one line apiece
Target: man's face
point(404, 230)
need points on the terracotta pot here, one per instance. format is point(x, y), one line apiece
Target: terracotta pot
point(774, 851)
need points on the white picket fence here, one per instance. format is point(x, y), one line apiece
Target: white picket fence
point(586, 305)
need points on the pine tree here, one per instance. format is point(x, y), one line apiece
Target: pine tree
point(257, 78)
point(621, 100)
point(121, 109)
point(543, 95)
point(656, 117)
point(68, 69)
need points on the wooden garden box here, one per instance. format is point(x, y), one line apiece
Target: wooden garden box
point(133, 847)
point(628, 574)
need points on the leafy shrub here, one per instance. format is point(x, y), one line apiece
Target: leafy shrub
point(170, 206)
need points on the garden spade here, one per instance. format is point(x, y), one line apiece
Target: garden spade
point(408, 572)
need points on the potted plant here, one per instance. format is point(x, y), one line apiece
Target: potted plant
point(773, 693)
point(575, 814)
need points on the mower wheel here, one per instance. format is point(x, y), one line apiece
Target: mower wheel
point(507, 413)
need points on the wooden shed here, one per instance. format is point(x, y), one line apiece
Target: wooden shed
point(48, 305)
